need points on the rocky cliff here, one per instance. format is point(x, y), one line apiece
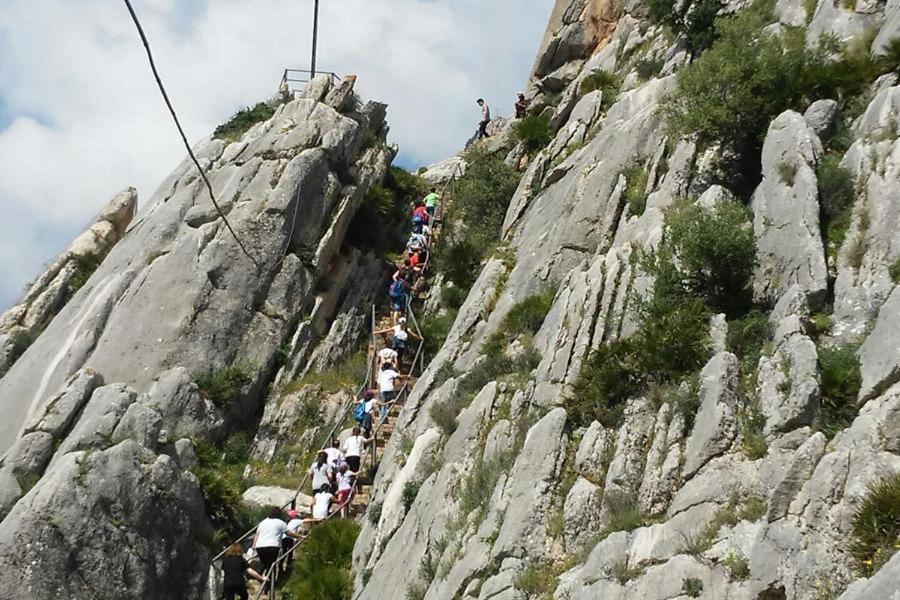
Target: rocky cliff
point(715, 472)
point(103, 411)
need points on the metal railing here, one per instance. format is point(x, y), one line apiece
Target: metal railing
point(292, 76)
point(371, 449)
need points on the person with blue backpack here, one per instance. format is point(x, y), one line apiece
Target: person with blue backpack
point(420, 217)
point(398, 294)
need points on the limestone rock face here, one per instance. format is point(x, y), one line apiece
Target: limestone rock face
point(24, 322)
point(138, 504)
point(103, 413)
point(786, 213)
point(729, 490)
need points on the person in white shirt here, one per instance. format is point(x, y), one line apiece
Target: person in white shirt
point(353, 447)
point(321, 472)
point(387, 355)
point(267, 539)
point(345, 479)
point(400, 335)
point(485, 119)
point(321, 504)
point(387, 387)
point(335, 456)
point(287, 543)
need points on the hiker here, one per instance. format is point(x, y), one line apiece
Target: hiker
point(419, 217)
point(521, 106)
point(404, 271)
point(267, 539)
point(321, 472)
point(398, 297)
point(335, 457)
point(431, 203)
point(400, 338)
point(235, 569)
point(387, 388)
point(353, 447)
point(416, 240)
point(295, 523)
point(344, 487)
point(485, 119)
point(321, 505)
point(386, 356)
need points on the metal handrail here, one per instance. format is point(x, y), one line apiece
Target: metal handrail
point(373, 448)
point(330, 437)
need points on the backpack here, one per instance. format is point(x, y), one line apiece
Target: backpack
point(418, 220)
point(359, 412)
point(396, 291)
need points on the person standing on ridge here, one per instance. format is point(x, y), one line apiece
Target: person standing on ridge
point(431, 202)
point(485, 119)
point(521, 106)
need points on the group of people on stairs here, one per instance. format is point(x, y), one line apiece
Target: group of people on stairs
point(333, 473)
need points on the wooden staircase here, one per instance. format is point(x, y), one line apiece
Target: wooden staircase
point(362, 497)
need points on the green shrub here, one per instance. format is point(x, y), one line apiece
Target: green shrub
point(416, 591)
point(435, 329)
point(624, 514)
point(622, 572)
point(889, 61)
point(242, 121)
point(374, 512)
point(444, 414)
point(894, 271)
point(839, 385)
point(737, 565)
point(380, 223)
point(716, 252)
point(636, 177)
point(85, 266)
point(346, 373)
point(648, 68)
point(608, 377)
point(747, 335)
point(606, 82)
point(474, 493)
point(758, 76)
point(534, 131)
point(480, 201)
point(410, 491)
point(753, 443)
point(452, 297)
point(692, 586)
point(528, 315)
point(694, 21)
point(836, 195)
point(876, 526)
point(537, 580)
point(460, 263)
point(787, 171)
point(321, 567)
point(222, 385)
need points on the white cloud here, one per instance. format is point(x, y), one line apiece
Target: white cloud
point(84, 119)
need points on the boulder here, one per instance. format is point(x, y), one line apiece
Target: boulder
point(822, 117)
point(144, 517)
point(786, 213)
point(716, 423)
point(879, 356)
point(788, 380)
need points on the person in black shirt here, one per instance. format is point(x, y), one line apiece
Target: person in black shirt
point(235, 568)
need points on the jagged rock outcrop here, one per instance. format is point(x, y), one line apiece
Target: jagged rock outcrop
point(23, 323)
point(734, 489)
point(103, 411)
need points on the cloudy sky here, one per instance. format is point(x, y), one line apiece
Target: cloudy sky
point(81, 119)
